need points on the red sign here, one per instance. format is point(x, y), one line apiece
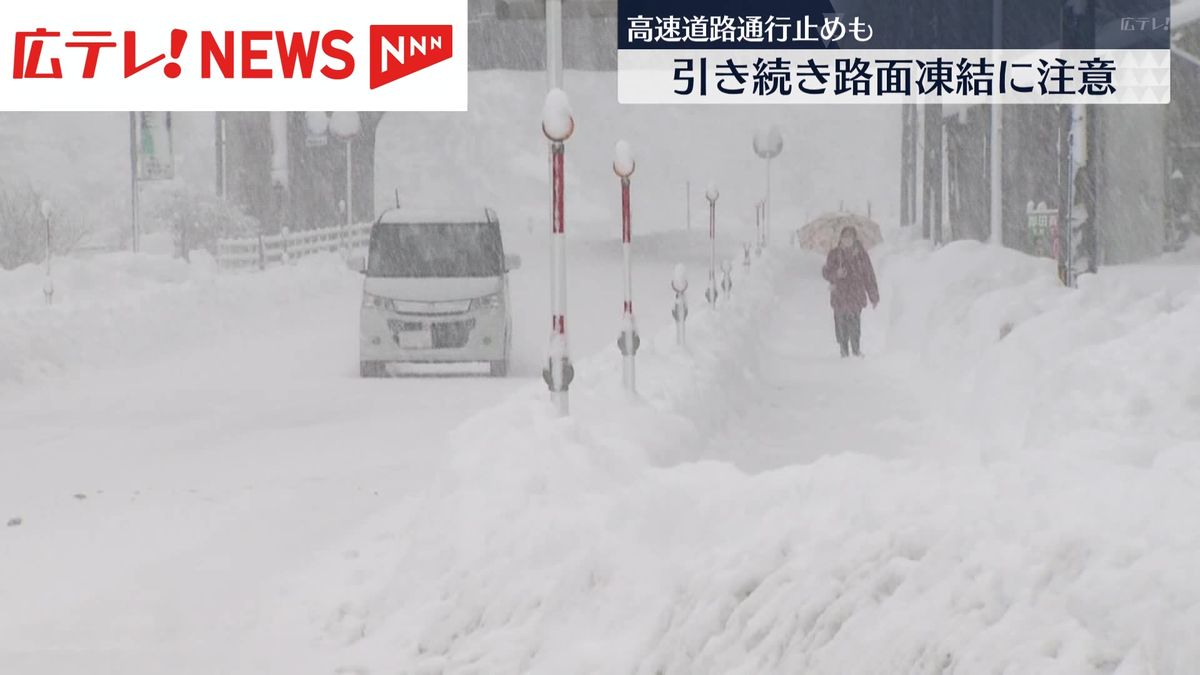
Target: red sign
point(400, 51)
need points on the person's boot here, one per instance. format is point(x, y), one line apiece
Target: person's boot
point(854, 348)
point(845, 350)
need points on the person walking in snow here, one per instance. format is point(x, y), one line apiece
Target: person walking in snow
point(852, 283)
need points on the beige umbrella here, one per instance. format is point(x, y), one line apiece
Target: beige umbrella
point(822, 234)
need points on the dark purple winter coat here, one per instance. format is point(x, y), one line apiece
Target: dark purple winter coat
point(850, 293)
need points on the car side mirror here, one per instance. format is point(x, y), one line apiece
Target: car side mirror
point(512, 262)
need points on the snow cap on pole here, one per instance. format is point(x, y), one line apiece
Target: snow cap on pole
point(712, 193)
point(768, 143)
point(557, 122)
point(345, 124)
point(46, 208)
point(623, 162)
point(316, 123)
point(680, 282)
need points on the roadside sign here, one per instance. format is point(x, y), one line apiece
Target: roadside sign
point(156, 156)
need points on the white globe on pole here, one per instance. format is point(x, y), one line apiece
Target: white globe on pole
point(623, 162)
point(317, 123)
point(345, 124)
point(558, 123)
point(768, 143)
point(679, 280)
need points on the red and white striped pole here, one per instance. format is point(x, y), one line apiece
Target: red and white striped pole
point(623, 166)
point(712, 194)
point(679, 284)
point(558, 125)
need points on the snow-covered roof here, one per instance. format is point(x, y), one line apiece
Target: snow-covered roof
point(455, 214)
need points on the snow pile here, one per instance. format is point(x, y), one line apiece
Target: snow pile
point(600, 544)
point(1109, 370)
point(123, 309)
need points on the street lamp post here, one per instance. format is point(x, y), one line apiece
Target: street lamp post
point(767, 145)
point(224, 142)
point(134, 179)
point(48, 285)
point(759, 217)
point(343, 220)
point(712, 194)
point(679, 284)
point(623, 166)
point(558, 124)
point(345, 125)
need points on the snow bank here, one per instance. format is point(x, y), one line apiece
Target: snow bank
point(601, 544)
point(123, 309)
point(1109, 370)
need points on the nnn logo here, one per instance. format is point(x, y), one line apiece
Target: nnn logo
point(399, 51)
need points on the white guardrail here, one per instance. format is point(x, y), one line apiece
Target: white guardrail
point(260, 252)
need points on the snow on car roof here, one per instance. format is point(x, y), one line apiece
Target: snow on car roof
point(401, 216)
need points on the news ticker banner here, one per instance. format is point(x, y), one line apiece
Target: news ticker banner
point(861, 51)
point(66, 55)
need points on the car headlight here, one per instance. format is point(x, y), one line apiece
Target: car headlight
point(376, 302)
point(488, 302)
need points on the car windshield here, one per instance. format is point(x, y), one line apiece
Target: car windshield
point(436, 250)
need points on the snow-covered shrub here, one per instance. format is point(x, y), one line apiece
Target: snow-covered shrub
point(200, 217)
point(23, 227)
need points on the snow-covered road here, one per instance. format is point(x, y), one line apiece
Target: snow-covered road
point(172, 440)
point(156, 498)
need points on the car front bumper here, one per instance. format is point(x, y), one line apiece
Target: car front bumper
point(478, 335)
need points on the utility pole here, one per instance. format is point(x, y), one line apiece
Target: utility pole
point(688, 202)
point(996, 139)
point(223, 156)
point(135, 231)
point(908, 164)
point(931, 202)
point(1077, 210)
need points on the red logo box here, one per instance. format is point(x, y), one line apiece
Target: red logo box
point(400, 51)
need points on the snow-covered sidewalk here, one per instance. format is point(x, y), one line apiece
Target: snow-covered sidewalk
point(809, 403)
